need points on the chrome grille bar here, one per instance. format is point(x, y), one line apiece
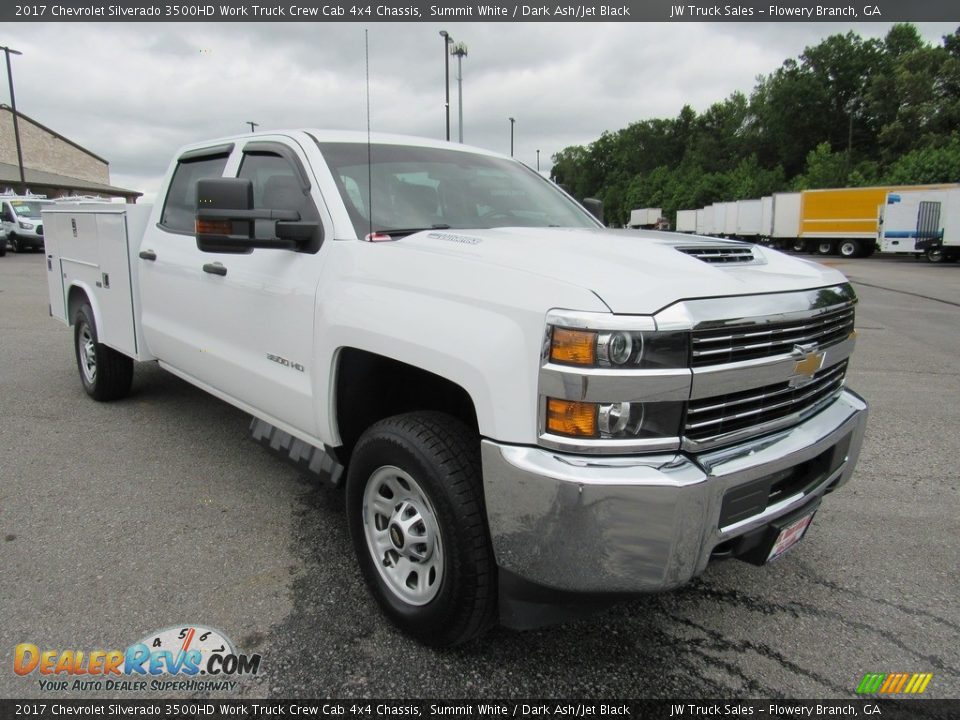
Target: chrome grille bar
point(710, 418)
point(749, 342)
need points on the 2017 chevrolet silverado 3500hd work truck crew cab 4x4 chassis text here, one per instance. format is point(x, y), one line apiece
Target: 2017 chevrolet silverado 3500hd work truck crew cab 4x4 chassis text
point(527, 409)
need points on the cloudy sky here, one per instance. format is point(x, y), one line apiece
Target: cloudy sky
point(134, 93)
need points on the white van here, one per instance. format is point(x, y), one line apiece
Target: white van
point(20, 220)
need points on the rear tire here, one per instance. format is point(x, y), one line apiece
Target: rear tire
point(798, 246)
point(850, 249)
point(825, 248)
point(935, 255)
point(416, 516)
point(105, 373)
point(3, 247)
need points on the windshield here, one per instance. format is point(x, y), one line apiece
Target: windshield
point(28, 208)
point(421, 188)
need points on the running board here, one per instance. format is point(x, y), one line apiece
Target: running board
point(317, 462)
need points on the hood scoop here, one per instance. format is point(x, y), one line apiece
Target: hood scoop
point(722, 254)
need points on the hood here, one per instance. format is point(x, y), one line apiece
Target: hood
point(632, 272)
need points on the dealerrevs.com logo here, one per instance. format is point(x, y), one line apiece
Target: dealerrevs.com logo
point(185, 658)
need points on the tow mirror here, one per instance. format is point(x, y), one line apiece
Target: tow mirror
point(594, 207)
point(226, 220)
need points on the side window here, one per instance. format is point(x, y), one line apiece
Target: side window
point(275, 187)
point(180, 206)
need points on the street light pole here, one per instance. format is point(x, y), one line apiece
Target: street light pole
point(538, 161)
point(447, 40)
point(13, 106)
point(512, 121)
point(460, 50)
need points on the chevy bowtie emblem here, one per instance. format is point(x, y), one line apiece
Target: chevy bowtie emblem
point(809, 361)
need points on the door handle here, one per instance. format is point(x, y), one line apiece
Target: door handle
point(215, 269)
point(148, 255)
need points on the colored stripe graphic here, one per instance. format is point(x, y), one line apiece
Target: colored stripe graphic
point(894, 683)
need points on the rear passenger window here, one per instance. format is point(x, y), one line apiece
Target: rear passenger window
point(180, 207)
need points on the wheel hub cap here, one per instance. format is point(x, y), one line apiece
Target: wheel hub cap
point(403, 535)
point(88, 354)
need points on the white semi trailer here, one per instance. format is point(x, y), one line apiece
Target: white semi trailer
point(687, 221)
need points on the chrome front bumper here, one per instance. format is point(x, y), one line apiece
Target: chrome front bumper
point(632, 524)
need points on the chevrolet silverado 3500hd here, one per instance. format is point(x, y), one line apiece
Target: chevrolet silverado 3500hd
point(526, 409)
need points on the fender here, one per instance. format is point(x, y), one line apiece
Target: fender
point(479, 327)
point(91, 301)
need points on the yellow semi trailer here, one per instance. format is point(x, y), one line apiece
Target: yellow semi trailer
point(844, 220)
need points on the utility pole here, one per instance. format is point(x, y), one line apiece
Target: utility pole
point(13, 106)
point(253, 125)
point(512, 121)
point(538, 161)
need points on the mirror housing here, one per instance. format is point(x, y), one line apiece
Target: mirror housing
point(594, 207)
point(226, 220)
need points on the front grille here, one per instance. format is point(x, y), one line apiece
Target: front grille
point(748, 342)
point(720, 255)
point(710, 417)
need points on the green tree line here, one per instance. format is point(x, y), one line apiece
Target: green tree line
point(847, 112)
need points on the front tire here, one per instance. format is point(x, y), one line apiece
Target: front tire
point(105, 373)
point(935, 255)
point(416, 516)
point(15, 243)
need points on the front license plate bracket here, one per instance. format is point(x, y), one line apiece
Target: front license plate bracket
point(772, 541)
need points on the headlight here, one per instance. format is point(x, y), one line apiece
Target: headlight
point(25, 225)
point(613, 421)
point(619, 348)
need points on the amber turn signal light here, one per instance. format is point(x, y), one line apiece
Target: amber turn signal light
point(573, 347)
point(573, 419)
point(213, 227)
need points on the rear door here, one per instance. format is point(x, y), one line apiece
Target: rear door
point(170, 267)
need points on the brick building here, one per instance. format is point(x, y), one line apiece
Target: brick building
point(53, 165)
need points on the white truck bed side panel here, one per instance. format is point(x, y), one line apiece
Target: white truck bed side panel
point(786, 215)
point(95, 247)
point(51, 248)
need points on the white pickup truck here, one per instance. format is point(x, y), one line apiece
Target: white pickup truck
point(530, 413)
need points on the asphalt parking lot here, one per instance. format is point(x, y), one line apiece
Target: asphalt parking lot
point(120, 519)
